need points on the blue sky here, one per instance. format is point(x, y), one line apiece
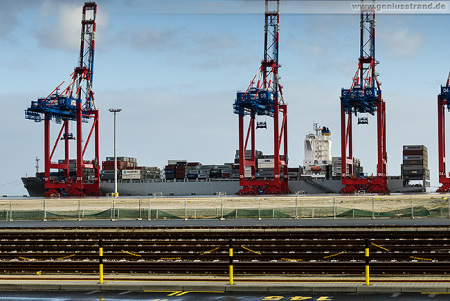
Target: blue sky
point(174, 67)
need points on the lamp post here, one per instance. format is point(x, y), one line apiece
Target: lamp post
point(115, 151)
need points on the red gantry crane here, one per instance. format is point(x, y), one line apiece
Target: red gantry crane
point(264, 98)
point(364, 97)
point(443, 102)
point(75, 103)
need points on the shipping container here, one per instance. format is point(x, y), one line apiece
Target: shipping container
point(415, 162)
point(131, 174)
point(413, 172)
point(413, 177)
point(415, 147)
point(415, 157)
point(266, 161)
point(415, 153)
point(413, 167)
point(175, 162)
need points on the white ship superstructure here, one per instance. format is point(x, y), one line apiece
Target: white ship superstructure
point(317, 152)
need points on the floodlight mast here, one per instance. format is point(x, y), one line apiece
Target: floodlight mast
point(115, 111)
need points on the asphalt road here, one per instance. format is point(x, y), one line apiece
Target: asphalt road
point(192, 296)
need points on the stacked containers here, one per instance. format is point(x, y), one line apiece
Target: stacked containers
point(192, 170)
point(336, 167)
point(127, 170)
point(266, 167)
point(180, 170)
point(169, 171)
point(293, 173)
point(204, 172)
point(415, 162)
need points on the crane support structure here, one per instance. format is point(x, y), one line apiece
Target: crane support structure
point(75, 103)
point(443, 102)
point(364, 97)
point(264, 98)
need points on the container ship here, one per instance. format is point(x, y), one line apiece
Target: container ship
point(319, 174)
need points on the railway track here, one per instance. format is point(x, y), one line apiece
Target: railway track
point(205, 251)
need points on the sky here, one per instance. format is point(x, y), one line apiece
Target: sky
point(174, 68)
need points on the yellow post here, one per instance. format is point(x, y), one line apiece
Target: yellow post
point(366, 253)
point(231, 260)
point(100, 259)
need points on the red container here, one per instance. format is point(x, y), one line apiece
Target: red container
point(414, 152)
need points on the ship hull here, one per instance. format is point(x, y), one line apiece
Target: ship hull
point(36, 188)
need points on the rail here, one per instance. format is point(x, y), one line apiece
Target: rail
point(197, 252)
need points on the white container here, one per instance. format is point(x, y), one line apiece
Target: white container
point(134, 174)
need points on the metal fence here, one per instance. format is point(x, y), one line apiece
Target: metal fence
point(228, 207)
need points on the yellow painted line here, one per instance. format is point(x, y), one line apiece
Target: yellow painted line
point(29, 259)
point(65, 257)
point(418, 258)
point(209, 292)
point(435, 293)
point(251, 250)
point(177, 293)
point(291, 259)
point(373, 244)
point(170, 258)
point(137, 255)
point(334, 255)
point(181, 293)
point(210, 251)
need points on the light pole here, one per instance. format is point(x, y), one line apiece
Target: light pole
point(116, 194)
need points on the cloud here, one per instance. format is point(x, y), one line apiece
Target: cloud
point(9, 15)
point(150, 39)
point(61, 29)
point(62, 25)
point(401, 42)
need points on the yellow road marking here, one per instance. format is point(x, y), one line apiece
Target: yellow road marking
point(418, 258)
point(131, 253)
point(373, 244)
point(65, 257)
point(333, 255)
point(291, 259)
point(29, 259)
point(250, 250)
point(209, 251)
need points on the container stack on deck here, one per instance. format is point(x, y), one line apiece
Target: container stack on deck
point(415, 163)
point(127, 170)
point(88, 173)
point(336, 168)
point(182, 170)
point(265, 168)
